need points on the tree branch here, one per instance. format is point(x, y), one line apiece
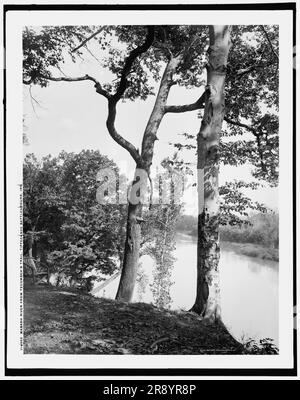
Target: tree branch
point(113, 100)
point(89, 38)
point(269, 41)
point(253, 67)
point(98, 86)
point(129, 62)
point(186, 107)
point(110, 123)
point(240, 124)
point(256, 128)
point(163, 46)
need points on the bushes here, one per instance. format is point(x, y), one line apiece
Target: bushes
point(263, 346)
point(263, 229)
point(70, 232)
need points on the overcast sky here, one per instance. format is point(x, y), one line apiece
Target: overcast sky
point(71, 116)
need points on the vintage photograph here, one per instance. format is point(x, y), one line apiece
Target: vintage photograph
point(150, 189)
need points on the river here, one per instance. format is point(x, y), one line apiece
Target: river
point(249, 289)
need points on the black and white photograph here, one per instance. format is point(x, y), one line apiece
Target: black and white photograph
point(150, 188)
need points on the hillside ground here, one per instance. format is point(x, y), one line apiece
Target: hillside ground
point(64, 321)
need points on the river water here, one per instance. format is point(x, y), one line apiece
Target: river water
point(249, 289)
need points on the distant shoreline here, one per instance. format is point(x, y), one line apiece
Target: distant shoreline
point(246, 249)
point(252, 250)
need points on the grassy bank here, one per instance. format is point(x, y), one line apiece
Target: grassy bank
point(257, 238)
point(62, 321)
point(252, 250)
point(262, 229)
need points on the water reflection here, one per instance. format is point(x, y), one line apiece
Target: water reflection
point(249, 290)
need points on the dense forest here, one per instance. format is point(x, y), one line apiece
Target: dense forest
point(73, 240)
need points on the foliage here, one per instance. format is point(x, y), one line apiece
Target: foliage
point(258, 228)
point(60, 206)
point(263, 346)
point(142, 281)
point(160, 248)
point(250, 132)
point(74, 233)
point(235, 206)
point(262, 228)
point(251, 94)
point(159, 233)
point(46, 50)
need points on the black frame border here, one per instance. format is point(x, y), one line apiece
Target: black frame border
point(153, 372)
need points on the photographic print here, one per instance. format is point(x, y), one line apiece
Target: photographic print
point(153, 189)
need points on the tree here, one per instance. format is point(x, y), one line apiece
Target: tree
point(147, 49)
point(160, 230)
point(42, 209)
point(73, 234)
point(208, 250)
point(251, 92)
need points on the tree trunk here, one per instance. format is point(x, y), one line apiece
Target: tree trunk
point(207, 302)
point(74, 277)
point(44, 263)
point(133, 233)
point(131, 254)
point(30, 261)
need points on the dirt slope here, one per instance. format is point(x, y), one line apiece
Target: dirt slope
point(59, 320)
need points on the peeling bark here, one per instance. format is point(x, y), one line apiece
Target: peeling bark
point(207, 303)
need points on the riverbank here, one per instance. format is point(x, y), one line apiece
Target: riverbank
point(252, 250)
point(64, 321)
point(246, 249)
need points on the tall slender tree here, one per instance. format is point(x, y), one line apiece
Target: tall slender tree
point(208, 140)
point(251, 91)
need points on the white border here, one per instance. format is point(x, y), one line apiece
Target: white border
point(15, 21)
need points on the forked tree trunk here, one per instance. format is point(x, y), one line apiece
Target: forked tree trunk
point(207, 302)
point(133, 233)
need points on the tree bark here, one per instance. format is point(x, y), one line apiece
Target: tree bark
point(131, 254)
point(30, 259)
point(133, 233)
point(44, 262)
point(207, 303)
point(74, 279)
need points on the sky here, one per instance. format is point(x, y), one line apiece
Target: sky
point(71, 116)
